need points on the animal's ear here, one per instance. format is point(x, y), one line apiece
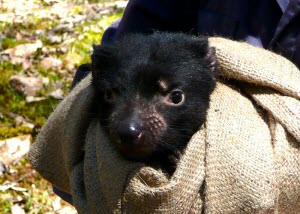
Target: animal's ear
point(102, 58)
point(211, 58)
point(200, 47)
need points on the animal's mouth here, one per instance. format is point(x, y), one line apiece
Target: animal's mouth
point(136, 151)
point(133, 140)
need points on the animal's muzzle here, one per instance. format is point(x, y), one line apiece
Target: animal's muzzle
point(130, 131)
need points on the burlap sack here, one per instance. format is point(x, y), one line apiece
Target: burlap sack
point(245, 159)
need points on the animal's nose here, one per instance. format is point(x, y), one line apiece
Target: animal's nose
point(130, 131)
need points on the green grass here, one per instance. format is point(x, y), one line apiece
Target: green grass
point(38, 195)
point(13, 102)
point(78, 52)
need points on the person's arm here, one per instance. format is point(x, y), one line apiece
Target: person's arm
point(64, 195)
point(148, 16)
point(159, 15)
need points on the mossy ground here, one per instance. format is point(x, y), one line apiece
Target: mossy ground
point(37, 195)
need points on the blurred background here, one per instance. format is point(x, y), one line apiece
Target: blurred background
point(41, 44)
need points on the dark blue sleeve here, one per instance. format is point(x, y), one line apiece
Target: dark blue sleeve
point(64, 195)
point(164, 15)
point(147, 16)
point(252, 21)
point(109, 35)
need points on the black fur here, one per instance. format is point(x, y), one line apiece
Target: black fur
point(135, 81)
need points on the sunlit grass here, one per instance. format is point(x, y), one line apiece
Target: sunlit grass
point(38, 195)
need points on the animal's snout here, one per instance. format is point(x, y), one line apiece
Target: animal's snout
point(130, 131)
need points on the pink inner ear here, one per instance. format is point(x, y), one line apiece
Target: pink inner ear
point(211, 58)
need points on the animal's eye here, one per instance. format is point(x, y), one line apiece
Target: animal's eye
point(176, 97)
point(109, 95)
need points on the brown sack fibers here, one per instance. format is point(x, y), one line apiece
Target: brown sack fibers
point(244, 159)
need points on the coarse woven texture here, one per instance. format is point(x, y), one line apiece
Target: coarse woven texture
point(244, 159)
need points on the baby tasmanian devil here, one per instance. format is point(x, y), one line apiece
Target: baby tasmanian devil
point(153, 93)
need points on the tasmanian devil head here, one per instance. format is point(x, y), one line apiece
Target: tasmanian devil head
point(153, 93)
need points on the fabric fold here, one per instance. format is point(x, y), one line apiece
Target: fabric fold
point(244, 159)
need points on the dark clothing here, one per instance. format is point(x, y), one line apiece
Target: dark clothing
point(64, 195)
point(81, 72)
point(269, 24)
